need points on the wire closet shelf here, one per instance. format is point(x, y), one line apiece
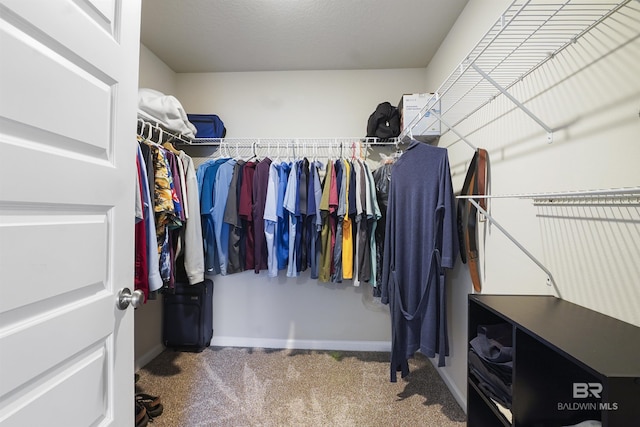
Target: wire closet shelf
point(343, 147)
point(527, 35)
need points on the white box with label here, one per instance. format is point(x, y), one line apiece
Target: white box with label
point(411, 105)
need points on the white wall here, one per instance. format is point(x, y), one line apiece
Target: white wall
point(252, 309)
point(155, 74)
point(296, 103)
point(592, 100)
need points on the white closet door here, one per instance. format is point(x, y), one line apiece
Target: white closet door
point(68, 82)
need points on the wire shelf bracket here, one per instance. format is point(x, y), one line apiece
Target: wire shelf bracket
point(515, 101)
point(550, 280)
point(453, 129)
point(625, 196)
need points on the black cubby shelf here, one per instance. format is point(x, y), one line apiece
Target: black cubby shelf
point(570, 364)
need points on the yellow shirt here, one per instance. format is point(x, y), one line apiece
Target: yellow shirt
point(347, 234)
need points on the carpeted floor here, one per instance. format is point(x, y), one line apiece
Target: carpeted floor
point(260, 387)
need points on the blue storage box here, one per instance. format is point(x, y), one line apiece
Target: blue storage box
point(208, 125)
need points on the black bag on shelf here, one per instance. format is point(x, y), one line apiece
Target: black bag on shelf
point(187, 322)
point(384, 123)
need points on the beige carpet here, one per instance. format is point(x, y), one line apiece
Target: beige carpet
point(262, 387)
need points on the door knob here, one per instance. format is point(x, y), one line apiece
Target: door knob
point(125, 297)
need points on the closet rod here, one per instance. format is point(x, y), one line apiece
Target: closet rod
point(294, 142)
point(146, 121)
point(627, 192)
point(616, 196)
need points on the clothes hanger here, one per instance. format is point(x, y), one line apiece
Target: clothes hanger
point(169, 146)
point(315, 152)
point(149, 137)
point(395, 156)
point(277, 151)
point(254, 153)
point(292, 156)
point(140, 129)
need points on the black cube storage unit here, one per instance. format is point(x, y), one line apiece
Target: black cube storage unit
point(570, 364)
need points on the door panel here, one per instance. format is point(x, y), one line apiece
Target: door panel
point(63, 239)
point(76, 383)
point(68, 85)
point(51, 78)
point(69, 325)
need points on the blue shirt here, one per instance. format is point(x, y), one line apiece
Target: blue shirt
point(211, 262)
point(282, 243)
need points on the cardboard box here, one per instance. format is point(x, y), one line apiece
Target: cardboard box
point(410, 106)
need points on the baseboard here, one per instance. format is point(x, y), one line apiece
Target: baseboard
point(148, 356)
point(460, 397)
point(301, 344)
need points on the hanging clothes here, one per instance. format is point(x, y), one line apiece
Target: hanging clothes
point(302, 260)
point(336, 270)
point(314, 218)
point(223, 178)
point(280, 216)
point(290, 197)
point(168, 236)
point(206, 174)
point(192, 230)
point(141, 266)
point(259, 196)
point(359, 214)
point(382, 178)
point(282, 239)
point(326, 212)
point(373, 218)
point(347, 234)
point(421, 240)
point(271, 221)
point(151, 246)
point(245, 210)
point(236, 232)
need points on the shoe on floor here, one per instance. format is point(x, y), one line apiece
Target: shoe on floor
point(152, 404)
point(142, 419)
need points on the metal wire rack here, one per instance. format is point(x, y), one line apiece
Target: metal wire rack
point(356, 147)
point(527, 35)
point(287, 148)
point(624, 195)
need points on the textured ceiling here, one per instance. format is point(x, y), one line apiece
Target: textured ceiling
point(277, 35)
